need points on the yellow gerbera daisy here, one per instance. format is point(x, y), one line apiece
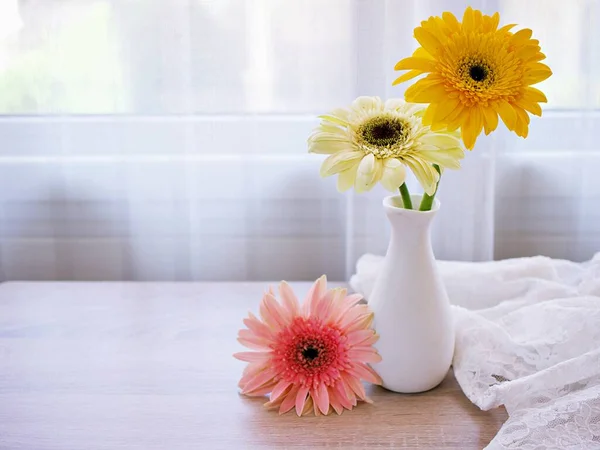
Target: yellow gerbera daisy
point(477, 71)
point(372, 141)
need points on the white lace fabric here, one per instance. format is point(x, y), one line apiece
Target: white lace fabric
point(528, 338)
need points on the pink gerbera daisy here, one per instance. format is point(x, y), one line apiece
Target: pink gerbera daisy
point(311, 357)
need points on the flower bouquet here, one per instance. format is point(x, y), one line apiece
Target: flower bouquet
point(313, 357)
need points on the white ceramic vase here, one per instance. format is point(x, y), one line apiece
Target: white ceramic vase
point(412, 312)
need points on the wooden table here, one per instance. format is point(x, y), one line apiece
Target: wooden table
point(149, 366)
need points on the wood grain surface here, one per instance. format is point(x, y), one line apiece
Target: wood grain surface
point(148, 366)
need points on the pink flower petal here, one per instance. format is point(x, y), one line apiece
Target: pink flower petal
point(258, 380)
point(290, 301)
point(251, 371)
point(336, 404)
point(356, 313)
point(301, 400)
point(252, 356)
point(345, 394)
point(279, 389)
point(321, 306)
point(257, 327)
point(250, 340)
point(272, 313)
point(359, 336)
point(317, 291)
point(364, 372)
point(252, 345)
point(341, 394)
point(255, 367)
point(355, 385)
point(362, 322)
point(321, 396)
point(261, 390)
point(289, 402)
point(331, 304)
point(359, 354)
point(347, 303)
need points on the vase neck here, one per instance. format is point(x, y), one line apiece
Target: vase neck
point(409, 224)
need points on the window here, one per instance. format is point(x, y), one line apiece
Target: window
point(157, 139)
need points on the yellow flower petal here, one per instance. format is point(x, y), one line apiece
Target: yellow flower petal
point(532, 107)
point(534, 95)
point(521, 36)
point(446, 108)
point(507, 114)
point(451, 21)
point(425, 93)
point(471, 128)
point(527, 53)
point(522, 124)
point(538, 72)
point(477, 19)
point(422, 53)
point(429, 114)
point(507, 27)
point(424, 65)
point(407, 76)
point(492, 23)
point(468, 22)
point(427, 40)
point(490, 120)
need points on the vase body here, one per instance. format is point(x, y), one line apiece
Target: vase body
point(412, 312)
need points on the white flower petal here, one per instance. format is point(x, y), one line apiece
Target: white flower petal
point(369, 173)
point(394, 174)
point(395, 103)
point(448, 158)
point(334, 119)
point(441, 140)
point(425, 173)
point(339, 162)
point(367, 104)
point(392, 163)
point(329, 147)
point(346, 178)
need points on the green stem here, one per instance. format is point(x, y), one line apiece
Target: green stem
point(406, 200)
point(427, 200)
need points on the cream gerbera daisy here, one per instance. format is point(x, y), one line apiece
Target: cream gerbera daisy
point(372, 141)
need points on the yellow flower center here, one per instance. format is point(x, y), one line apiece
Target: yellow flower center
point(383, 135)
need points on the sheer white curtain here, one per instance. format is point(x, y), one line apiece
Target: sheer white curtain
point(165, 140)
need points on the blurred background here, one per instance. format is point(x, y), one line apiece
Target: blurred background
point(166, 139)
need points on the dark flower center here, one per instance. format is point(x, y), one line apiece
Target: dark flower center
point(310, 353)
point(478, 73)
point(382, 131)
